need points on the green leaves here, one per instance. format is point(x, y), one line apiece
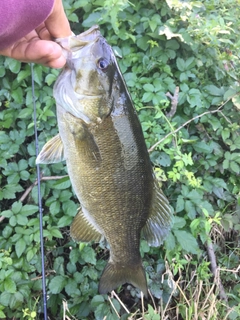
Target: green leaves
point(13, 65)
point(152, 314)
point(160, 49)
point(184, 65)
point(154, 92)
point(20, 247)
point(88, 255)
point(57, 284)
point(187, 241)
point(9, 285)
point(232, 162)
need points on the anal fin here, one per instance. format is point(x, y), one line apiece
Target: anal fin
point(52, 151)
point(160, 219)
point(82, 230)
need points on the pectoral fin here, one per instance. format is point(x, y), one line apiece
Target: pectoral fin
point(160, 218)
point(82, 230)
point(83, 138)
point(52, 151)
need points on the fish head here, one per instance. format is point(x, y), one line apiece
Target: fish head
point(84, 88)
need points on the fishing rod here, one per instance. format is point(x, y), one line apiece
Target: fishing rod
point(39, 199)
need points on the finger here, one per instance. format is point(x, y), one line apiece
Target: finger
point(43, 32)
point(44, 52)
point(57, 22)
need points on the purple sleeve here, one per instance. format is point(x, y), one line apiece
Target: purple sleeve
point(19, 17)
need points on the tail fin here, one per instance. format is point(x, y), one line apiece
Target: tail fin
point(116, 274)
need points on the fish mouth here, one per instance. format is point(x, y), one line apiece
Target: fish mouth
point(74, 43)
point(90, 35)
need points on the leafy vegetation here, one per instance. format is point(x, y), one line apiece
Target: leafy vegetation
point(180, 61)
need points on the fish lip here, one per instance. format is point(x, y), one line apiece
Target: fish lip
point(72, 43)
point(89, 36)
point(92, 30)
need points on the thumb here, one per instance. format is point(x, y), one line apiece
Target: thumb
point(57, 22)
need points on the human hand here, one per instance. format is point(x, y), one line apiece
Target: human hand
point(38, 46)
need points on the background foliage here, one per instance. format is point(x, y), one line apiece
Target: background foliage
point(194, 146)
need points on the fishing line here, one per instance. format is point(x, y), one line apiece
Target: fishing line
point(39, 200)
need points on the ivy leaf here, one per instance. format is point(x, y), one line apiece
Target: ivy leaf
point(213, 90)
point(29, 209)
point(187, 241)
point(180, 204)
point(190, 209)
point(16, 300)
point(7, 231)
point(9, 191)
point(89, 255)
point(179, 222)
point(54, 207)
point(142, 42)
point(37, 74)
point(17, 95)
point(92, 19)
point(2, 71)
point(25, 113)
point(9, 285)
point(57, 284)
point(55, 233)
point(23, 74)
point(72, 287)
point(153, 25)
point(202, 146)
point(73, 17)
point(74, 255)
point(102, 311)
point(50, 78)
point(194, 97)
point(64, 221)
point(152, 315)
point(96, 301)
point(7, 213)
point(148, 87)
point(180, 64)
point(22, 220)
point(170, 242)
point(234, 166)
point(63, 183)
point(5, 298)
point(156, 290)
point(31, 253)
point(20, 247)
point(147, 96)
point(14, 65)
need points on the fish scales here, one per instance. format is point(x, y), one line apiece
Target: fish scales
point(111, 170)
point(101, 139)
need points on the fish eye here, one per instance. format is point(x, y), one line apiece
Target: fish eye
point(103, 64)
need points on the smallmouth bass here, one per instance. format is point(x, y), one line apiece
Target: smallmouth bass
point(101, 139)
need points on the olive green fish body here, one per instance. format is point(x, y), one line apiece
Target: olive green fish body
point(112, 176)
point(101, 139)
point(108, 181)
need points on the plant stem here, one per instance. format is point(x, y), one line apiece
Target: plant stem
point(215, 270)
